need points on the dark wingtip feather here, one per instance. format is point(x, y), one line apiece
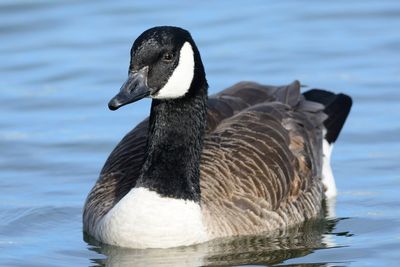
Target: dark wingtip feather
point(337, 107)
point(320, 96)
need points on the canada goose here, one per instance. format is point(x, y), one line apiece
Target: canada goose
point(245, 161)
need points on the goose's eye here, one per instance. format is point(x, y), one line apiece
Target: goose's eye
point(167, 57)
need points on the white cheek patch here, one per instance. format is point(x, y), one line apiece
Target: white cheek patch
point(181, 79)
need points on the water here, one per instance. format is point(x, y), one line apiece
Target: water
point(61, 61)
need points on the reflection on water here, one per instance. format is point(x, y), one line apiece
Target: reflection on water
point(261, 249)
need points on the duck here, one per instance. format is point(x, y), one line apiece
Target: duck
point(252, 159)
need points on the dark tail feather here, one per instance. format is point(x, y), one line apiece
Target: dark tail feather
point(337, 107)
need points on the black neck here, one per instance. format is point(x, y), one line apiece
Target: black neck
point(174, 146)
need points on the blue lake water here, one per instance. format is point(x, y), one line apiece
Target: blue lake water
point(61, 61)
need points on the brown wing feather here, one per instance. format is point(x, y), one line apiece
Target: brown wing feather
point(118, 176)
point(260, 165)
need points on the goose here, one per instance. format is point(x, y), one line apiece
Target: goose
point(249, 160)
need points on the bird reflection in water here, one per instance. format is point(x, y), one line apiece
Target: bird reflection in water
point(271, 248)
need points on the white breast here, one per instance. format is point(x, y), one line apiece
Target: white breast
point(144, 219)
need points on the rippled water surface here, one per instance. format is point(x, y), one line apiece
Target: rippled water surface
point(61, 61)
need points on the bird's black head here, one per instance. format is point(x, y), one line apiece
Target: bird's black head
point(165, 64)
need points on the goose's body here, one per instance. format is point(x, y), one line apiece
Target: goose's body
point(245, 161)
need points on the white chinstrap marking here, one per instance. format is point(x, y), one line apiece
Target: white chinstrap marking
point(144, 219)
point(327, 175)
point(181, 79)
